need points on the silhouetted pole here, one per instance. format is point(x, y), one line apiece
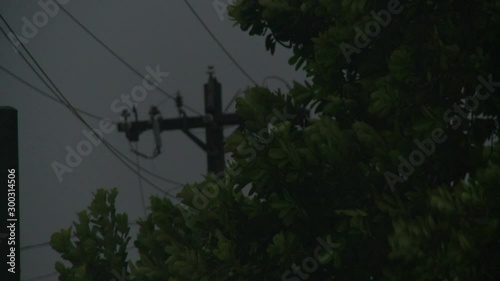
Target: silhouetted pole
point(213, 122)
point(214, 130)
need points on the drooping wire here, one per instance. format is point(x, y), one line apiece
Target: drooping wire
point(128, 65)
point(44, 276)
point(63, 99)
point(45, 244)
point(34, 246)
point(276, 77)
point(83, 112)
point(218, 42)
point(144, 170)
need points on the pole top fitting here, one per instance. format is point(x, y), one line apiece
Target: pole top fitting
point(125, 114)
point(154, 111)
point(210, 71)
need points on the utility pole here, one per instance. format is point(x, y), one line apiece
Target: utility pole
point(213, 122)
point(214, 131)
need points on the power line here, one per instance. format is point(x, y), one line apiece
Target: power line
point(220, 44)
point(45, 94)
point(44, 276)
point(34, 246)
point(128, 65)
point(276, 77)
point(72, 109)
point(45, 244)
point(63, 99)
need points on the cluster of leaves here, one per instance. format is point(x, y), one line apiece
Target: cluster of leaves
point(290, 183)
point(96, 247)
point(455, 235)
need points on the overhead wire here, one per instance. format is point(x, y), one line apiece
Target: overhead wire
point(128, 65)
point(140, 75)
point(47, 95)
point(84, 113)
point(63, 99)
point(47, 243)
point(276, 77)
point(218, 42)
point(44, 276)
point(34, 246)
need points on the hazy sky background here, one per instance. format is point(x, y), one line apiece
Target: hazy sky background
point(145, 33)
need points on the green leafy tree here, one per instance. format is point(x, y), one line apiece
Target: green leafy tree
point(396, 176)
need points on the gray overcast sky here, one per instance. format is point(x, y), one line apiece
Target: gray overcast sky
point(145, 33)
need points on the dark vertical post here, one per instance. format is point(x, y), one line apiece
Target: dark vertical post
point(214, 131)
point(9, 195)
